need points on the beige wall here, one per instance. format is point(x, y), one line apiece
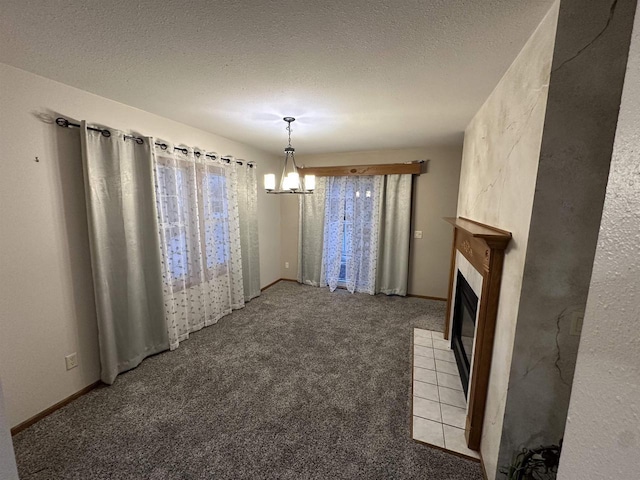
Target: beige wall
point(497, 186)
point(435, 196)
point(8, 470)
point(46, 291)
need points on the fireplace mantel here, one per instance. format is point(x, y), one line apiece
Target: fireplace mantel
point(484, 247)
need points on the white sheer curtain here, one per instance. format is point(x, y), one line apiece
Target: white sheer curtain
point(200, 239)
point(351, 232)
point(125, 251)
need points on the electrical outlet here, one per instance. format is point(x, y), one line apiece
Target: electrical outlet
point(576, 323)
point(71, 361)
point(286, 264)
point(417, 234)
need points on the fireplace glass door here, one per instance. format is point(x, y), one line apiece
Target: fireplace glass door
point(464, 326)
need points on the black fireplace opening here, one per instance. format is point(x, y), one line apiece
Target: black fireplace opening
point(464, 326)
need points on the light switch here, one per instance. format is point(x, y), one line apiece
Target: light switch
point(417, 234)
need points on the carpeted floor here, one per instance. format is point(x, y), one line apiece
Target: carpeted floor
point(300, 384)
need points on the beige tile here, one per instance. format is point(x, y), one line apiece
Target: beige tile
point(449, 381)
point(446, 355)
point(422, 341)
point(423, 351)
point(419, 332)
point(447, 367)
point(454, 440)
point(428, 431)
point(428, 409)
point(437, 335)
point(452, 397)
point(454, 416)
point(441, 344)
point(425, 390)
point(424, 362)
point(425, 375)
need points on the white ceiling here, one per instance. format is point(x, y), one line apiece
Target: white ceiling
point(358, 75)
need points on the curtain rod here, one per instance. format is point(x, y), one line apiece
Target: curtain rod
point(63, 122)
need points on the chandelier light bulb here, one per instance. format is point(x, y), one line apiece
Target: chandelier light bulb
point(309, 182)
point(270, 181)
point(294, 180)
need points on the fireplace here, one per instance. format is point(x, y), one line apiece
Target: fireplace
point(483, 247)
point(464, 326)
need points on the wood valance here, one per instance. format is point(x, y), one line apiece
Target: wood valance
point(412, 168)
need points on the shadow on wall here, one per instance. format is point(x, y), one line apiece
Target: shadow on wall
point(77, 260)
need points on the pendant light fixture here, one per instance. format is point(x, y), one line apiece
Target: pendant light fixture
point(290, 181)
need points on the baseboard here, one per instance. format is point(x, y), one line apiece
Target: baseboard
point(36, 418)
point(427, 297)
point(270, 285)
point(278, 281)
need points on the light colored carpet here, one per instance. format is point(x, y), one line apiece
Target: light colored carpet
point(300, 384)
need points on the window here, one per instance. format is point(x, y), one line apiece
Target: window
point(215, 219)
point(352, 208)
point(173, 201)
point(194, 221)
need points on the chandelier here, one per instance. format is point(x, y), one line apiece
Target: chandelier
point(290, 181)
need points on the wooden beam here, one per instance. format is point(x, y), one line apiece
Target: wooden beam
point(353, 170)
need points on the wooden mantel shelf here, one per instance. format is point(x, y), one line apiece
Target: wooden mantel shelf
point(493, 236)
point(484, 247)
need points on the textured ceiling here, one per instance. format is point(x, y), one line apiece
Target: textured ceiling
point(358, 75)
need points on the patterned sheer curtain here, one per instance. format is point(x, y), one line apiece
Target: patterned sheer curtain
point(199, 237)
point(351, 232)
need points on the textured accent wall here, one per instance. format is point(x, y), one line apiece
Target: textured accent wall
point(536, 160)
point(602, 437)
point(590, 56)
point(497, 187)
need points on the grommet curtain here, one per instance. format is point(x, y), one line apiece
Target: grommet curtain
point(174, 242)
point(248, 217)
point(311, 235)
point(197, 203)
point(126, 259)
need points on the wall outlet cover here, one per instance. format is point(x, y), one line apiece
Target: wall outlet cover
point(417, 234)
point(576, 323)
point(286, 264)
point(71, 361)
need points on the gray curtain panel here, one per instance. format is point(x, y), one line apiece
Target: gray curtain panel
point(248, 213)
point(394, 235)
point(311, 235)
point(125, 249)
